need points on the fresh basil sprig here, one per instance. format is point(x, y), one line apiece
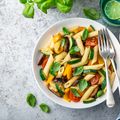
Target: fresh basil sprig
point(66, 31)
point(83, 84)
point(63, 6)
point(75, 92)
point(54, 68)
point(31, 100)
point(45, 108)
point(28, 10)
point(78, 71)
point(92, 13)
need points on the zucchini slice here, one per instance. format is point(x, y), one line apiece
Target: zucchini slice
point(42, 75)
point(89, 100)
point(73, 61)
point(91, 55)
point(89, 71)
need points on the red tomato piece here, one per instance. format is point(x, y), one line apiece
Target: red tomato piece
point(95, 79)
point(91, 41)
point(73, 98)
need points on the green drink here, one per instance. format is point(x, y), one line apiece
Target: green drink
point(111, 11)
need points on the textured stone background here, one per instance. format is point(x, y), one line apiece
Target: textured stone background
point(17, 39)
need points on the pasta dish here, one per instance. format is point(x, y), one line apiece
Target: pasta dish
point(71, 66)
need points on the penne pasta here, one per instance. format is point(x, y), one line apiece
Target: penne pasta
point(94, 60)
point(60, 57)
point(66, 59)
point(60, 72)
point(93, 34)
point(70, 82)
point(71, 66)
point(88, 93)
point(94, 67)
point(89, 76)
point(47, 66)
point(80, 45)
point(84, 58)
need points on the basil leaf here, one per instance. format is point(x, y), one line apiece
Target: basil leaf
point(78, 71)
point(42, 75)
point(85, 34)
point(30, 1)
point(45, 108)
point(54, 68)
point(59, 89)
point(28, 10)
point(44, 6)
point(63, 8)
point(74, 49)
point(31, 100)
point(66, 31)
point(63, 42)
point(91, 13)
point(68, 2)
point(23, 1)
point(75, 92)
point(83, 84)
point(39, 1)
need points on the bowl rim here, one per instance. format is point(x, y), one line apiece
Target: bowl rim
point(33, 69)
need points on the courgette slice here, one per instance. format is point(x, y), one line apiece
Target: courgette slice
point(89, 71)
point(103, 73)
point(59, 89)
point(42, 75)
point(71, 41)
point(99, 93)
point(91, 55)
point(89, 100)
point(73, 61)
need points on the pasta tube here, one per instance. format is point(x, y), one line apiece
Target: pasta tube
point(93, 34)
point(60, 72)
point(84, 58)
point(88, 77)
point(80, 45)
point(94, 67)
point(67, 58)
point(78, 34)
point(59, 57)
point(47, 66)
point(88, 93)
point(70, 82)
point(94, 60)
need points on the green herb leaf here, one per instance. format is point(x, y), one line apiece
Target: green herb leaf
point(66, 31)
point(44, 6)
point(100, 93)
point(31, 100)
point(74, 49)
point(23, 1)
point(30, 1)
point(68, 2)
point(59, 89)
point(83, 84)
point(54, 68)
point(78, 71)
point(39, 1)
point(75, 92)
point(63, 8)
point(85, 34)
point(28, 10)
point(45, 108)
point(91, 13)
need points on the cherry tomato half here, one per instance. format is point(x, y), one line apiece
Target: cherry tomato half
point(91, 41)
point(95, 79)
point(44, 62)
point(73, 98)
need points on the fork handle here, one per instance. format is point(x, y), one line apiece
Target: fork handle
point(109, 95)
point(116, 73)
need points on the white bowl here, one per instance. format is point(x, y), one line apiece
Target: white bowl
point(43, 40)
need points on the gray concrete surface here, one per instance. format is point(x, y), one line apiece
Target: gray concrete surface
point(18, 37)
